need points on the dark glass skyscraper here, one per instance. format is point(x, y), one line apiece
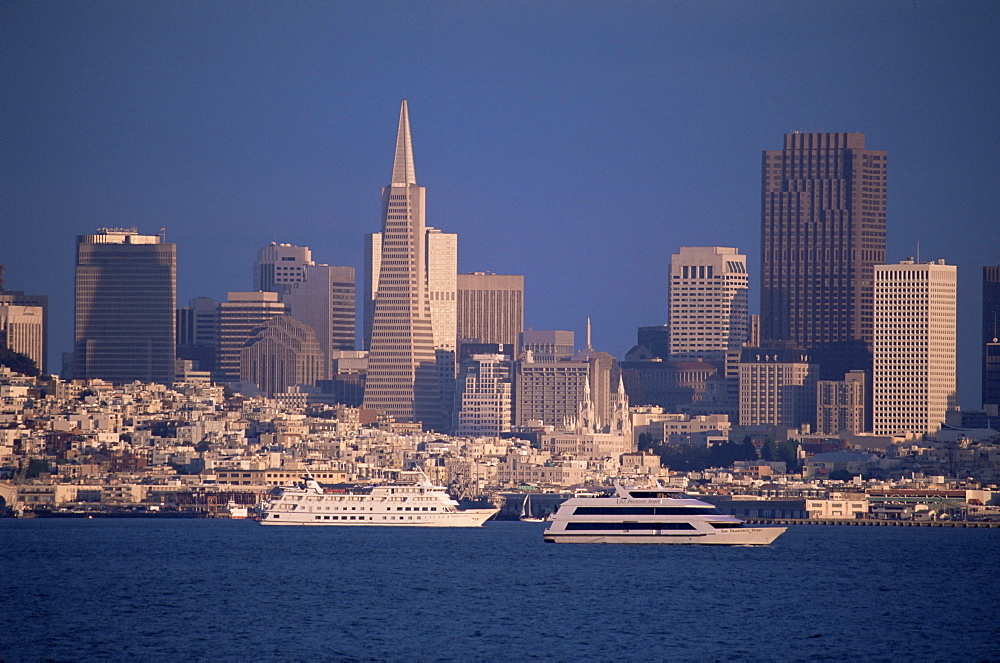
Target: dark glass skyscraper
point(126, 302)
point(823, 227)
point(991, 335)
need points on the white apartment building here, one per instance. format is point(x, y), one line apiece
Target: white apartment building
point(484, 396)
point(279, 265)
point(914, 346)
point(708, 302)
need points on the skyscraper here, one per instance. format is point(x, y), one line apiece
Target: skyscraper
point(490, 308)
point(402, 375)
point(239, 317)
point(991, 335)
point(915, 340)
point(324, 300)
point(25, 324)
point(280, 265)
point(126, 303)
point(823, 228)
point(708, 303)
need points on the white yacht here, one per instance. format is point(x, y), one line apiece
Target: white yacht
point(410, 501)
point(651, 515)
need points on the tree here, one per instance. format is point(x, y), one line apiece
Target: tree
point(17, 362)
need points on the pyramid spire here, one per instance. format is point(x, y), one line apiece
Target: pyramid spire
point(402, 165)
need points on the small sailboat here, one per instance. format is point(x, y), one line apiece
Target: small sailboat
point(526, 512)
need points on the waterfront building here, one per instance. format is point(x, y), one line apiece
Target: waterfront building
point(991, 335)
point(402, 378)
point(915, 343)
point(238, 317)
point(197, 330)
point(777, 387)
point(841, 405)
point(280, 354)
point(490, 308)
point(126, 303)
point(484, 396)
point(279, 265)
point(823, 227)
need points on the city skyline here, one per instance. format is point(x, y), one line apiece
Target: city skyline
point(540, 166)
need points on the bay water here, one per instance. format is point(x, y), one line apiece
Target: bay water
point(183, 589)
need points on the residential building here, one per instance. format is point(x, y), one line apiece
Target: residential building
point(841, 405)
point(915, 342)
point(126, 303)
point(823, 202)
point(484, 396)
point(777, 387)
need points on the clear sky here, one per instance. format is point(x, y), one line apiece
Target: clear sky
point(577, 143)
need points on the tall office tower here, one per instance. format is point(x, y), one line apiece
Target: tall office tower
point(238, 318)
point(822, 232)
point(552, 392)
point(991, 335)
point(777, 387)
point(325, 301)
point(126, 303)
point(490, 308)
point(707, 303)
point(372, 268)
point(196, 332)
point(484, 396)
point(841, 405)
point(547, 345)
point(39, 311)
point(753, 331)
point(22, 330)
point(402, 375)
point(279, 265)
point(282, 353)
point(915, 339)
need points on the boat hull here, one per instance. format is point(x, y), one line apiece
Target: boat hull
point(465, 518)
point(741, 536)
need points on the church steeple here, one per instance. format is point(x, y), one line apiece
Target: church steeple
point(402, 165)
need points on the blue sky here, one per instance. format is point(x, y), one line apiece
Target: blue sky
point(577, 143)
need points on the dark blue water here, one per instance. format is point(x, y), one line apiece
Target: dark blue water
point(224, 590)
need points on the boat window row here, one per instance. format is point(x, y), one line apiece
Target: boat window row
point(658, 494)
point(643, 510)
point(628, 526)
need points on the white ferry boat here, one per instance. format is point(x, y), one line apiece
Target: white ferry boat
point(411, 501)
point(657, 515)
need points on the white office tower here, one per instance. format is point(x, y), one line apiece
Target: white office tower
point(22, 329)
point(490, 308)
point(708, 303)
point(484, 396)
point(402, 378)
point(325, 301)
point(914, 346)
point(279, 265)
